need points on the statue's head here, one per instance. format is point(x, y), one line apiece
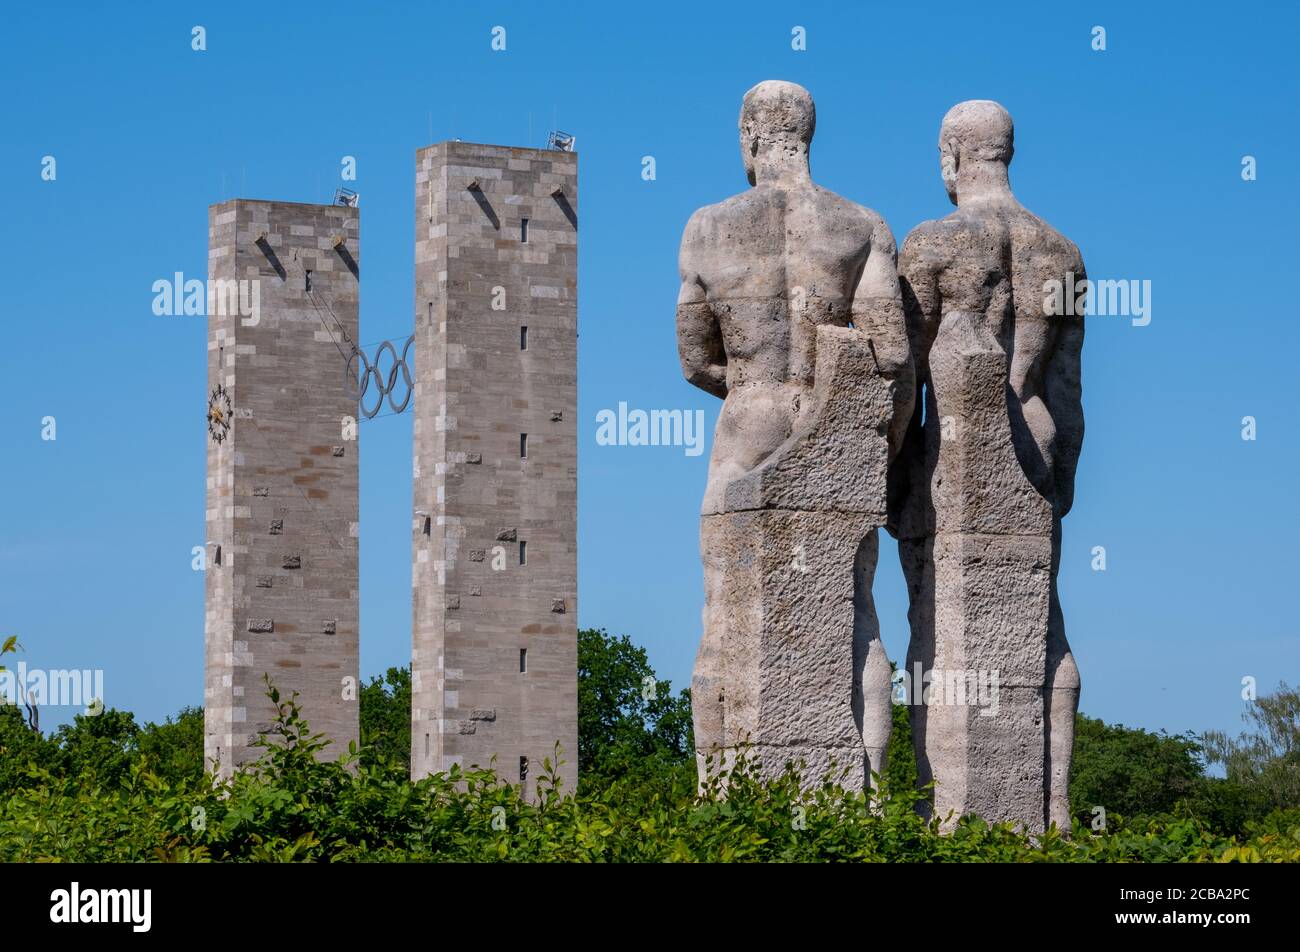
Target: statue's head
point(976, 131)
point(777, 120)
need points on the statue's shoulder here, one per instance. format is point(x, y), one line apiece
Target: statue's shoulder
point(1047, 240)
point(739, 204)
point(938, 228)
point(705, 230)
point(708, 219)
point(845, 211)
point(931, 241)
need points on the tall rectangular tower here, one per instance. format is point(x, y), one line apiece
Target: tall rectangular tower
point(281, 585)
point(494, 647)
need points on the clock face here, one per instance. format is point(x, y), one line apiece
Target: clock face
point(220, 413)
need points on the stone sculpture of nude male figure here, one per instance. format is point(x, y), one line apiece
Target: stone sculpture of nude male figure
point(974, 287)
point(760, 273)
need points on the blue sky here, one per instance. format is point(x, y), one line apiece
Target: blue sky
point(1135, 153)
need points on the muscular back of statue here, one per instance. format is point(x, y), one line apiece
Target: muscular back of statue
point(761, 270)
point(976, 280)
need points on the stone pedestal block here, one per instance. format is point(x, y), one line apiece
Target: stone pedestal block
point(791, 665)
point(980, 617)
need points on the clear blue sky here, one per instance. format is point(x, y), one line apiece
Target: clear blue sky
point(1135, 153)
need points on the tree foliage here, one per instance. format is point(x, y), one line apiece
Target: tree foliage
point(1130, 771)
point(386, 718)
point(629, 721)
point(1265, 759)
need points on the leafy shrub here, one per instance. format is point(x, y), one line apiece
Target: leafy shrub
point(292, 806)
point(103, 789)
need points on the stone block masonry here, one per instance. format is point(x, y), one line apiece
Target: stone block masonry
point(282, 503)
point(494, 646)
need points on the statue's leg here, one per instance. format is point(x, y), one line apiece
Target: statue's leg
point(871, 672)
point(708, 681)
point(1062, 703)
point(917, 559)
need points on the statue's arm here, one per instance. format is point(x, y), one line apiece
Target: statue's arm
point(878, 312)
point(699, 338)
point(919, 267)
point(918, 271)
point(1063, 393)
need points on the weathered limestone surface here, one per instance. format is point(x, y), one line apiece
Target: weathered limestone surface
point(494, 533)
point(979, 489)
point(282, 504)
point(791, 661)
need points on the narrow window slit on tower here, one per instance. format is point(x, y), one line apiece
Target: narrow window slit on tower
point(523, 230)
point(426, 745)
point(523, 553)
point(523, 337)
point(523, 770)
point(523, 446)
point(523, 660)
point(308, 280)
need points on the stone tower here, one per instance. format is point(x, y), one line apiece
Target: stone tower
point(494, 646)
point(281, 581)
